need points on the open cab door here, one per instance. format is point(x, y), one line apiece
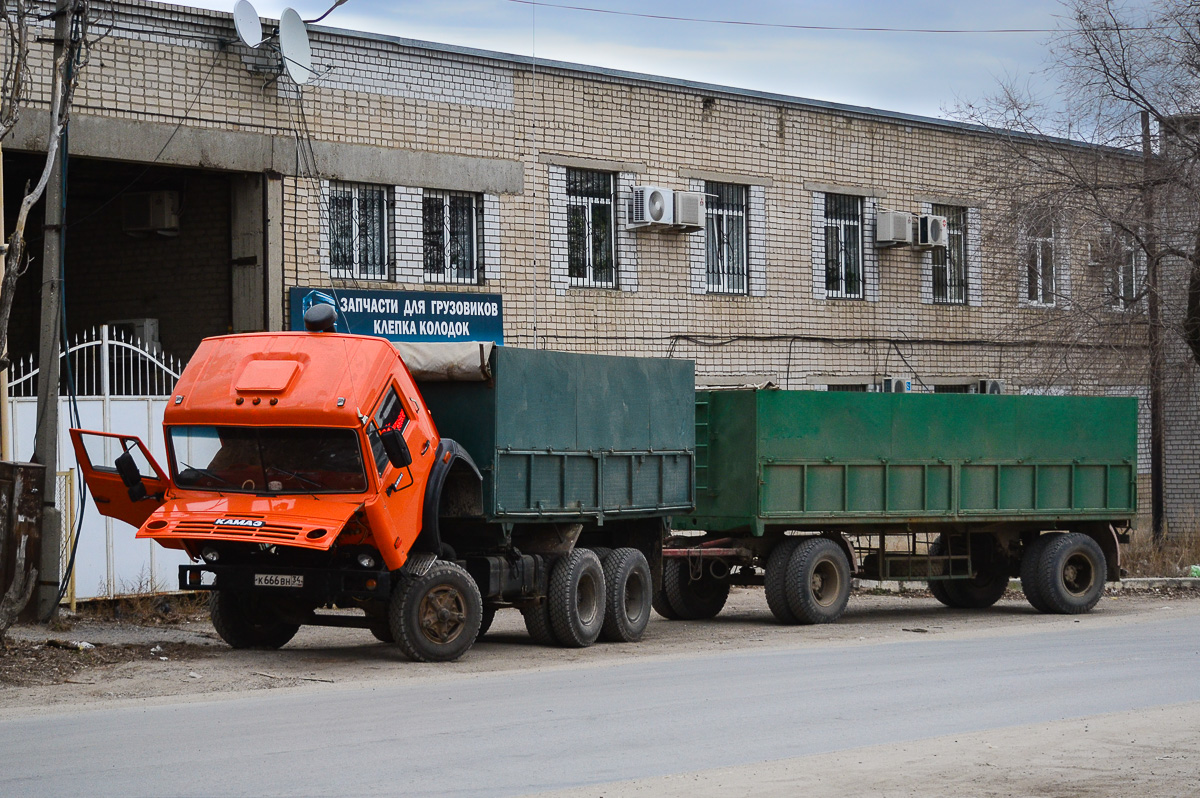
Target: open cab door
point(125, 481)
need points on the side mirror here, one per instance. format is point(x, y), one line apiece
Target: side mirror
point(397, 450)
point(132, 478)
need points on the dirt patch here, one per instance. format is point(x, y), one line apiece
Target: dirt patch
point(25, 663)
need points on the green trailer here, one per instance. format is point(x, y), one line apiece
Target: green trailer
point(812, 488)
point(574, 465)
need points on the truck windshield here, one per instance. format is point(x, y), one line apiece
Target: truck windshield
point(267, 459)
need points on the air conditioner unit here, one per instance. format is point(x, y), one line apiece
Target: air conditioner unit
point(893, 229)
point(137, 331)
point(150, 211)
point(652, 205)
point(991, 386)
point(932, 231)
point(894, 385)
point(690, 210)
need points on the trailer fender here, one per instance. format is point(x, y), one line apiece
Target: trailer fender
point(1109, 542)
point(451, 459)
point(844, 542)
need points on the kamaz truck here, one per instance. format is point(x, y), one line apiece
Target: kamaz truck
point(309, 473)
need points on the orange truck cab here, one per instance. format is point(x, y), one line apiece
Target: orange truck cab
point(305, 473)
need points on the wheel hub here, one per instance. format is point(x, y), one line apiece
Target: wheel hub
point(442, 614)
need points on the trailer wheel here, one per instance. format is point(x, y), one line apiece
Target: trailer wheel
point(485, 621)
point(776, 580)
point(435, 617)
point(1071, 572)
point(660, 602)
point(627, 586)
point(537, 623)
point(818, 581)
point(694, 599)
point(576, 599)
point(1029, 571)
point(244, 620)
point(937, 587)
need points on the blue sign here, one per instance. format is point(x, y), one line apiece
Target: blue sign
point(406, 315)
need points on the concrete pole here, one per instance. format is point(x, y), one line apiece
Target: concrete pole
point(5, 444)
point(46, 443)
point(1157, 356)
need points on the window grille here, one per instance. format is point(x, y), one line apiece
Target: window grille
point(1039, 262)
point(843, 246)
point(952, 389)
point(726, 233)
point(452, 235)
point(590, 247)
point(358, 231)
point(847, 387)
point(950, 262)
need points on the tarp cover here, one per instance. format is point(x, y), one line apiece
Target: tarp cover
point(459, 361)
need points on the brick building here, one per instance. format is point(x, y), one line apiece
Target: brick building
point(430, 170)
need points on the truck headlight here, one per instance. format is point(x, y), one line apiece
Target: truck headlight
point(210, 554)
point(366, 560)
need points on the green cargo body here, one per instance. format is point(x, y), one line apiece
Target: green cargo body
point(571, 437)
point(828, 460)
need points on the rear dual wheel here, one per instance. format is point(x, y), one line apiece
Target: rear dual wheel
point(1063, 573)
point(693, 595)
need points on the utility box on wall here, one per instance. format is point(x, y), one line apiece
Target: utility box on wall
point(20, 519)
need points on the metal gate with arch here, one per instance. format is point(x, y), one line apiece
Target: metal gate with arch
point(118, 384)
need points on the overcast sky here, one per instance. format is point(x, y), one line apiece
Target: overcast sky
point(919, 73)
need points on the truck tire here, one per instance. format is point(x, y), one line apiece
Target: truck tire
point(776, 580)
point(987, 586)
point(937, 587)
point(817, 585)
point(660, 602)
point(628, 587)
point(1029, 571)
point(1070, 574)
point(244, 620)
point(382, 629)
point(537, 623)
point(486, 618)
point(435, 617)
point(576, 599)
point(694, 599)
point(601, 552)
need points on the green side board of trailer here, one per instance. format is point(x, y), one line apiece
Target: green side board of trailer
point(808, 459)
point(570, 437)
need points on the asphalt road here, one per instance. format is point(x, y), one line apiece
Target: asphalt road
point(513, 733)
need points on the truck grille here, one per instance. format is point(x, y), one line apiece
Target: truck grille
point(268, 533)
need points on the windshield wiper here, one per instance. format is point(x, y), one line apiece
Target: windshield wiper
point(294, 476)
point(204, 472)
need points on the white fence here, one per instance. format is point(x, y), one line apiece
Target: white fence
point(120, 385)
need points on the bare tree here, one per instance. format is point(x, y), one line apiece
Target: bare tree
point(18, 19)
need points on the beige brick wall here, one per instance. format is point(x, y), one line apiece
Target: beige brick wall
point(163, 64)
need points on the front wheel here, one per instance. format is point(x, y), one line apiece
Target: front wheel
point(435, 617)
point(245, 620)
point(818, 581)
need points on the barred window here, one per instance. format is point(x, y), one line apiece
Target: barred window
point(590, 248)
point(725, 224)
point(847, 387)
point(452, 233)
point(358, 231)
point(950, 263)
point(843, 246)
point(1039, 262)
point(952, 388)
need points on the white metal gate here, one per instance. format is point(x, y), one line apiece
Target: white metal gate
point(120, 385)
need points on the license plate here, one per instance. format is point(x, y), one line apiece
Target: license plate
point(278, 580)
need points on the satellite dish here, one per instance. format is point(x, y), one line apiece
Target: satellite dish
point(245, 19)
point(293, 45)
